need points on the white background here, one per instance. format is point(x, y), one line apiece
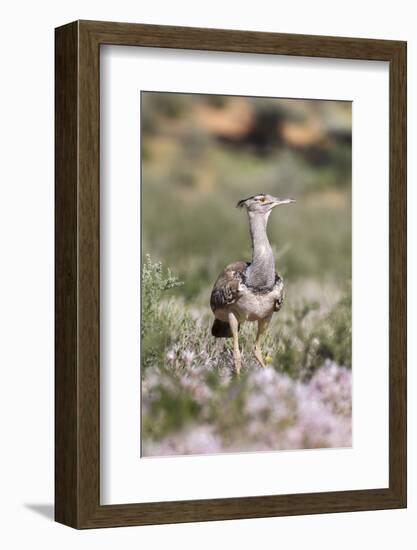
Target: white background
point(26, 289)
point(125, 478)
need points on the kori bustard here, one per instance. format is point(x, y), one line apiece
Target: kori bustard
point(249, 291)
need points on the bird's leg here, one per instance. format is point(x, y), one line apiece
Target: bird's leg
point(234, 327)
point(262, 326)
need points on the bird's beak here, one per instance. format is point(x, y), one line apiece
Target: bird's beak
point(278, 202)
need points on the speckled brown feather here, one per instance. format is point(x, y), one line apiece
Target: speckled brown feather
point(226, 287)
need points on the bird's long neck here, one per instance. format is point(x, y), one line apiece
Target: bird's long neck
point(261, 272)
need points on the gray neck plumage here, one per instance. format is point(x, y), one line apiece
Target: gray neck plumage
point(261, 272)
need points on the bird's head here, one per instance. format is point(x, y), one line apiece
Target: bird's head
point(262, 203)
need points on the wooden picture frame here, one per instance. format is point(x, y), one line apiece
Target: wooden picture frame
point(77, 373)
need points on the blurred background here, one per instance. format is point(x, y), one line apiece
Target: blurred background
point(200, 155)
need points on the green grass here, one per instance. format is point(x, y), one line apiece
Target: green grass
point(180, 358)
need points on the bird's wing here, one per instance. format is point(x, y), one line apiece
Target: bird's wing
point(226, 288)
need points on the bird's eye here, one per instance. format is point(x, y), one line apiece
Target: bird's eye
point(263, 199)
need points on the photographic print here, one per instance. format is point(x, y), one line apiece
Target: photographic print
point(246, 274)
point(203, 274)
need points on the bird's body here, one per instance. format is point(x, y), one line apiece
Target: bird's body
point(247, 304)
point(249, 291)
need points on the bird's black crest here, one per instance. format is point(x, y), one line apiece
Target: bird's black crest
point(242, 202)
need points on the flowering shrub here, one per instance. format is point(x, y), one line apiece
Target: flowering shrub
point(198, 411)
point(192, 403)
